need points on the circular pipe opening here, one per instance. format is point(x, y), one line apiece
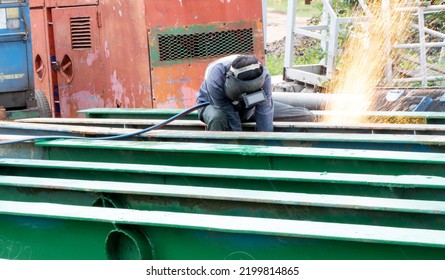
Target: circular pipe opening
point(128, 244)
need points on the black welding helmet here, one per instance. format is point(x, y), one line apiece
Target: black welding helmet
point(248, 90)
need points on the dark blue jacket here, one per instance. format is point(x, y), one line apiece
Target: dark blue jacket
point(212, 90)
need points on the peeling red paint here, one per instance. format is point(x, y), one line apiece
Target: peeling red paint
point(79, 101)
point(189, 96)
point(118, 89)
point(107, 50)
point(92, 57)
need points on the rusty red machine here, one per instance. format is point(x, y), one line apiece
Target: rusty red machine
point(135, 54)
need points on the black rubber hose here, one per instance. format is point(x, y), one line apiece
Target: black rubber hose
point(121, 136)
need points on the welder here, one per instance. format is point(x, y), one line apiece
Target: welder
point(239, 89)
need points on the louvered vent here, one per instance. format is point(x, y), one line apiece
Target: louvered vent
point(80, 33)
point(205, 45)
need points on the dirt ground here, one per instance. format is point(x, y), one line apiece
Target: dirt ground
point(276, 34)
point(276, 25)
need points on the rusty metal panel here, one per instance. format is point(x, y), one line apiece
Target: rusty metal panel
point(74, 3)
point(50, 3)
point(93, 68)
point(125, 69)
point(77, 46)
point(184, 36)
point(67, 3)
point(179, 56)
point(36, 3)
point(176, 86)
point(41, 54)
point(122, 64)
point(178, 13)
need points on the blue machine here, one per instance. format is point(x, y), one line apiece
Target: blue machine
point(17, 92)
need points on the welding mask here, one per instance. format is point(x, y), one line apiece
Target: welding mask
point(249, 91)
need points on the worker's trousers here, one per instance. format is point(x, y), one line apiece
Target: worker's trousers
point(216, 120)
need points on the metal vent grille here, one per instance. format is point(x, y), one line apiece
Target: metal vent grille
point(205, 45)
point(80, 33)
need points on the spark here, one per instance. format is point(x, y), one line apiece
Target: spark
point(366, 54)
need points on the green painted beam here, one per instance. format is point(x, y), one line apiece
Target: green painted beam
point(227, 194)
point(248, 157)
point(196, 125)
point(407, 186)
point(172, 235)
point(296, 205)
point(371, 116)
point(401, 117)
point(134, 113)
point(393, 142)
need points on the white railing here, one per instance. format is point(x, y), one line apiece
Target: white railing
point(327, 32)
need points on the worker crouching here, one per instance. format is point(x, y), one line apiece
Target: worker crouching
point(239, 90)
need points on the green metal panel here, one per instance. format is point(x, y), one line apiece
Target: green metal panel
point(177, 235)
point(22, 114)
point(25, 237)
point(22, 150)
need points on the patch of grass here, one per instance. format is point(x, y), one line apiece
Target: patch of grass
point(275, 64)
point(314, 9)
point(311, 55)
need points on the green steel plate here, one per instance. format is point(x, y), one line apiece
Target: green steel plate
point(174, 235)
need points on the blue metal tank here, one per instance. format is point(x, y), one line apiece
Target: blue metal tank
point(17, 93)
